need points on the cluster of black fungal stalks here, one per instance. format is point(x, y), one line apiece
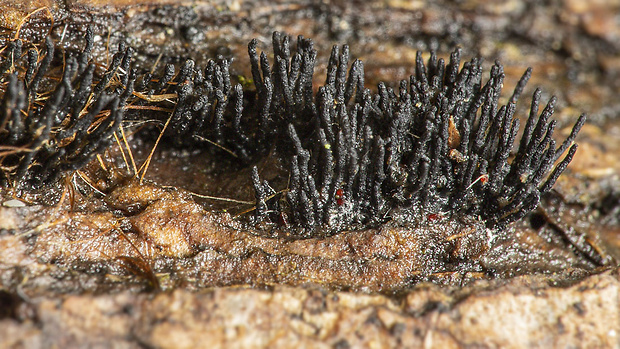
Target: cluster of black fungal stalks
point(244, 123)
point(208, 109)
point(49, 128)
point(440, 146)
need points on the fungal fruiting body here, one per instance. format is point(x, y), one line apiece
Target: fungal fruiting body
point(438, 146)
point(49, 128)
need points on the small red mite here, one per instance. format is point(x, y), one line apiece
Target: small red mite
point(484, 178)
point(339, 197)
point(433, 216)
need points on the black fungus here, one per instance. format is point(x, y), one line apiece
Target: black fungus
point(439, 146)
point(49, 128)
point(208, 110)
